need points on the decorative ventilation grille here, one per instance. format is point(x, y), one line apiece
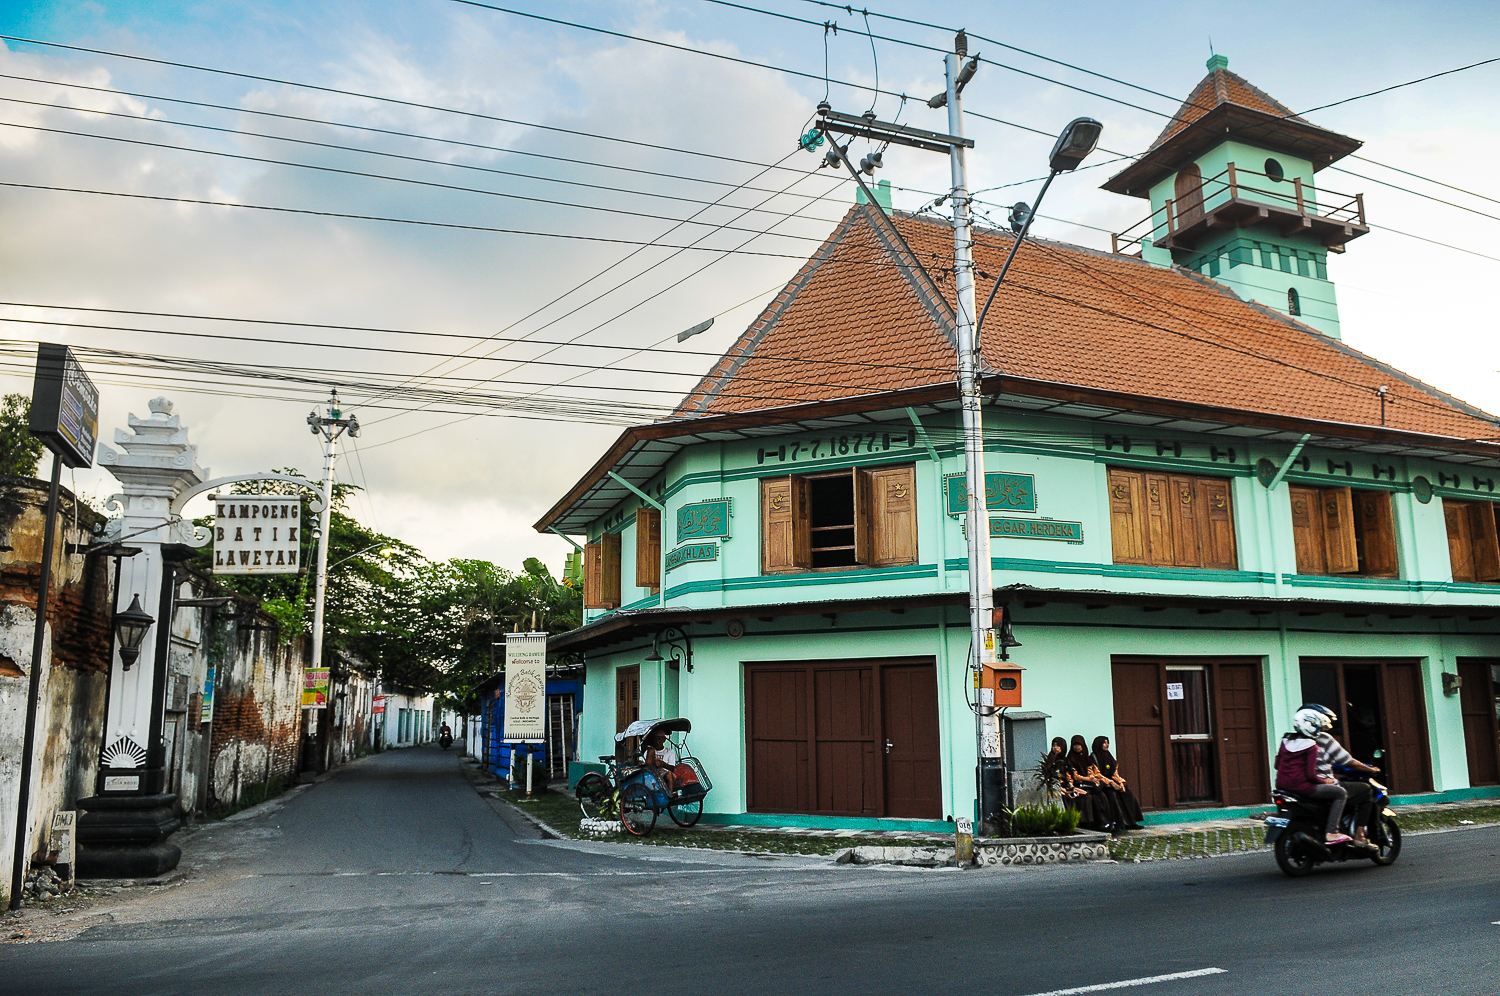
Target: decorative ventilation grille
point(124, 753)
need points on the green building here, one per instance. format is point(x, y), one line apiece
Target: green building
point(1205, 509)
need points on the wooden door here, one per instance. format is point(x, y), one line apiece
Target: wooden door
point(1476, 696)
point(1242, 735)
point(846, 775)
point(1187, 195)
point(1140, 735)
point(909, 721)
point(627, 696)
point(779, 749)
point(1404, 710)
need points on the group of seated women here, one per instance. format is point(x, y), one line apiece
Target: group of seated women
point(1091, 783)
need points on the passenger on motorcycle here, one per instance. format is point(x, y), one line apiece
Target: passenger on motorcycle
point(1316, 721)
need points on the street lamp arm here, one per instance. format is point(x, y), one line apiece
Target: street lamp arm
point(979, 325)
point(358, 553)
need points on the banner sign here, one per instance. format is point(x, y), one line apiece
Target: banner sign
point(315, 688)
point(1042, 529)
point(525, 688)
point(257, 534)
point(703, 520)
point(377, 705)
point(207, 715)
point(691, 554)
point(64, 406)
point(1002, 493)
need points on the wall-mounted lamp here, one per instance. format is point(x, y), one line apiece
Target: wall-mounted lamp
point(130, 629)
point(679, 649)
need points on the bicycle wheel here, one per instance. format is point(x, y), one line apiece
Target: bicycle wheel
point(595, 796)
point(637, 811)
point(685, 814)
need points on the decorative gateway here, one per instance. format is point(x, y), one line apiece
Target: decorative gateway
point(257, 534)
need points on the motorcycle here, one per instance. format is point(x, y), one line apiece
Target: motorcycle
point(445, 741)
point(1295, 830)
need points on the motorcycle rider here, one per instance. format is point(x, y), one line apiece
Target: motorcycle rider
point(1316, 721)
point(445, 731)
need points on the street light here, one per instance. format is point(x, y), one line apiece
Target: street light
point(1072, 147)
point(385, 551)
point(130, 629)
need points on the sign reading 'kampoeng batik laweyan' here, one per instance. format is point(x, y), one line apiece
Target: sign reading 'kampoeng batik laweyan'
point(257, 534)
point(525, 688)
point(702, 520)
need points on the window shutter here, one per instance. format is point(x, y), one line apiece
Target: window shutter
point(1485, 545)
point(865, 516)
point(785, 542)
point(1338, 530)
point(889, 511)
point(647, 548)
point(1307, 531)
point(609, 569)
point(593, 577)
point(1160, 549)
point(1460, 543)
point(1378, 523)
point(1216, 522)
point(1125, 525)
point(1186, 542)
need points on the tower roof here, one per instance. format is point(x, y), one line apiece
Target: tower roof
point(1222, 106)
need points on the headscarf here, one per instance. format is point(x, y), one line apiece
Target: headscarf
point(1060, 742)
point(1079, 762)
point(1103, 758)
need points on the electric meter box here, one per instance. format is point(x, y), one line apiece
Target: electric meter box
point(1005, 680)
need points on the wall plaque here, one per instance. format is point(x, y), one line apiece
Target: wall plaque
point(693, 553)
point(1042, 529)
point(1002, 493)
point(703, 520)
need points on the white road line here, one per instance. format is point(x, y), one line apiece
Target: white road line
point(1129, 983)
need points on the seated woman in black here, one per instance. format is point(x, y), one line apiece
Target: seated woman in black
point(1087, 776)
point(1072, 796)
point(1114, 782)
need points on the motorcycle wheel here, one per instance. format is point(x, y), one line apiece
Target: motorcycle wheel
point(637, 812)
point(1388, 852)
point(1294, 861)
point(593, 794)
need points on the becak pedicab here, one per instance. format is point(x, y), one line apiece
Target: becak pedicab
point(637, 792)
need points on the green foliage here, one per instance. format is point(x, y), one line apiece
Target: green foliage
point(20, 451)
point(1039, 821)
point(1051, 773)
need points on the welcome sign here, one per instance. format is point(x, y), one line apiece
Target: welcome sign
point(257, 534)
point(525, 688)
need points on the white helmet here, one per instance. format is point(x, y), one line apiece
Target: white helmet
point(1311, 720)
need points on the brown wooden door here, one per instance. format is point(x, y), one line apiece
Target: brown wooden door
point(1140, 735)
point(1187, 195)
point(1404, 711)
point(1242, 736)
point(909, 720)
point(847, 771)
point(1476, 697)
point(779, 751)
point(627, 696)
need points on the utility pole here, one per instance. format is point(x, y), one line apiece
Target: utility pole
point(330, 427)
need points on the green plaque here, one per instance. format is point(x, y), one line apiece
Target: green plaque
point(1002, 493)
point(703, 520)
point(693, 553)
point(1040, 529)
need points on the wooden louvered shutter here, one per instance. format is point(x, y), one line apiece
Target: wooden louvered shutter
point(1183, 499)
point(593, 577)
point(785, 542)
point(886, 511)
point(1126, 517)
point(609, 571)
point(647, 548)
point(864, 517)
point(1216, 522)
point(1485, 544)
point(1307, 530)
point(1460, 544)
point(1338, 530)
point(1160, 549)
point(1378, 523)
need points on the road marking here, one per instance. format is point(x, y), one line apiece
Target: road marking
point(718, 870)
point(1129, 983)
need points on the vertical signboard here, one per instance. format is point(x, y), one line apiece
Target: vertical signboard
point(526, 688)
point(315, 688)
point(257, 534)
point(208, 696)
point(64, 406)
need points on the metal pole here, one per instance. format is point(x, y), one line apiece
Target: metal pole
point(23, 799)
point(981, 588)
point(331, 437)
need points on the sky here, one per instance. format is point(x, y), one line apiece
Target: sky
point(489, 369)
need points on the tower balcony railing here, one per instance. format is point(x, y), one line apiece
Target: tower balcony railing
point(1239, 197)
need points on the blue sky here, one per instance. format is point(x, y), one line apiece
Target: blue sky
point(473, 487)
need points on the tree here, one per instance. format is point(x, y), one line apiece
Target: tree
point(20, 451)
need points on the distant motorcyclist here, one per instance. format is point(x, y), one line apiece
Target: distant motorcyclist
point(445, 731)
point(1319, 720)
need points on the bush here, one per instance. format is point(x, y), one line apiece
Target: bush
point(1039, 821)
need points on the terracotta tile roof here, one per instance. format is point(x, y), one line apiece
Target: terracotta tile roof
point(858, 319)
point(1221, 86)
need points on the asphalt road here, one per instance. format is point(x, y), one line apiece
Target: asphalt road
point(396, 877)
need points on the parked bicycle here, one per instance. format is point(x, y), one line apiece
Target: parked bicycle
point(634, 793)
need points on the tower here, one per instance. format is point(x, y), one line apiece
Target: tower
point(1232, 184)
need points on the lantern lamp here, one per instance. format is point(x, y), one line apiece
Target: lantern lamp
point(130, 629)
